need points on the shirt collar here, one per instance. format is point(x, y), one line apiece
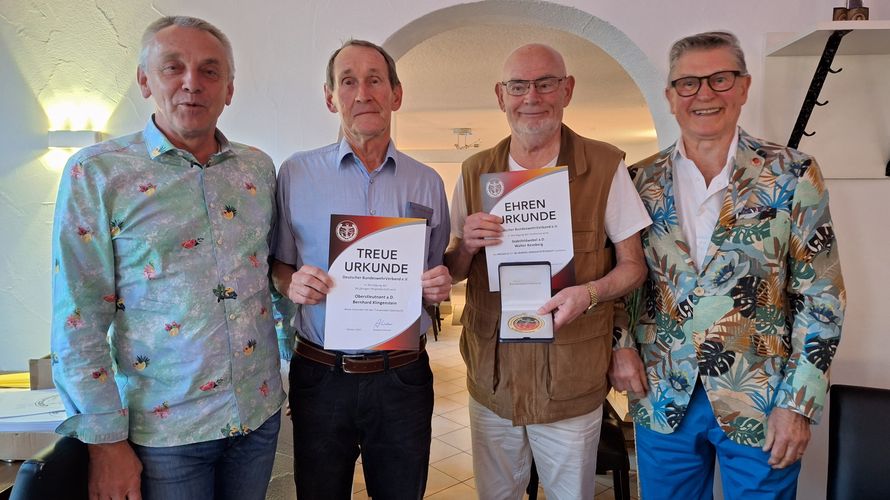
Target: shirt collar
point(346, 150)
point(515, 166)
point(157, 143)
point(680, 149)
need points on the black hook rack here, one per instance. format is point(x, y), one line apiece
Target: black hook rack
point(812, 98)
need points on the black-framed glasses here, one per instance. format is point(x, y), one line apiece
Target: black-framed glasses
point(720, 81)
point(544, 85)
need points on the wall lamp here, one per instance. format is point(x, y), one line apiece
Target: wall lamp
point(75, 121)
point(73, 139)
point(63, 143)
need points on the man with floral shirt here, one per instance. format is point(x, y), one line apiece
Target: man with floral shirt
point(163, 341)
point(744, 301)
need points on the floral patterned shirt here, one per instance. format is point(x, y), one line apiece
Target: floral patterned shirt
point(162, 328)
point(759, 323)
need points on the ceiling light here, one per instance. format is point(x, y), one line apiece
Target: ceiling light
point(463, 142)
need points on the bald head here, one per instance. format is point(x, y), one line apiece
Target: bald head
point(533, 92)
point(534, 58)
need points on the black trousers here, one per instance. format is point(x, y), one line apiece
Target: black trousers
point(384, 416)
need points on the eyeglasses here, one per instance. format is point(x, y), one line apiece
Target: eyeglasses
point(544, 85)
point(720, 81)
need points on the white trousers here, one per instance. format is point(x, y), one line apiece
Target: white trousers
point(564, 453)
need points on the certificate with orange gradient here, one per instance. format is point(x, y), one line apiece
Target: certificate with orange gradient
point(376, 264)
point(537, 221)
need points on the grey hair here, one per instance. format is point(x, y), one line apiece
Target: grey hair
point(186, 22)
point(706, 41)
point(390, 63)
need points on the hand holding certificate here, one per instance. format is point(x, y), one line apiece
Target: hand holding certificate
point(537, 221)
point(376, 264)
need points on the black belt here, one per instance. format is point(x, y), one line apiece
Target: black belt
point(374, 362)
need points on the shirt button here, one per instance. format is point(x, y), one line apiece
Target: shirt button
point(373, 212)
point(212, 205)
point(219, 241)
point(371, 181)
point(699, 291)
point(232, 316)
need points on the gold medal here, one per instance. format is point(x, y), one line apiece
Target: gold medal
point(525, 323)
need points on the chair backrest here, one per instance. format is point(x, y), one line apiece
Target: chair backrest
point(58, 471)
point(858, 443)
point(612, 450)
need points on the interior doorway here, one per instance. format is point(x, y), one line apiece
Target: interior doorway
point(450, 59)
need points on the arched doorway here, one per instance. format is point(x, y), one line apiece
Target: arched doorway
point(450, 59)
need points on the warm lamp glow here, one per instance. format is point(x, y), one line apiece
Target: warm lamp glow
point(74, 122)
point(78, 113)
point(55, 158)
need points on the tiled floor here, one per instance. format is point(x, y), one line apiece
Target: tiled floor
point(451, 461)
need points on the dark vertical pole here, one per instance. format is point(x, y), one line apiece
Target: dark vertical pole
point(812, 97)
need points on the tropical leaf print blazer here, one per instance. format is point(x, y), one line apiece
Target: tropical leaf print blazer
point(760, 323)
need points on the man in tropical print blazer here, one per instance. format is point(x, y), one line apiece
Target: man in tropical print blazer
point(742, 310)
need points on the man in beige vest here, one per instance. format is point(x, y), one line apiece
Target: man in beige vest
point(534, 400)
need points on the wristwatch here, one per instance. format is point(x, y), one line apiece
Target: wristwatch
point(594, 296)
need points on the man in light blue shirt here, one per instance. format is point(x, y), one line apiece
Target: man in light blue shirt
point(379, 404)
point(164, 347)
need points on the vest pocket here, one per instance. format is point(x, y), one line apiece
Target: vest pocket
point(584, 240)
point(579, 356)
point(478, 347)
point(593, 259)
point(578, 369)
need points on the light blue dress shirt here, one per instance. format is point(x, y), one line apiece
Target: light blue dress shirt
point(312, 185)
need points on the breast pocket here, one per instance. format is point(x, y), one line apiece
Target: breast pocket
point(588, 244)
point(585, 237)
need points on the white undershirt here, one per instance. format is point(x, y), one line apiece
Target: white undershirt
point(625, 213)
point(698, 206)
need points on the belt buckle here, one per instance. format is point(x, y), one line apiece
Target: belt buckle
point(351, 357)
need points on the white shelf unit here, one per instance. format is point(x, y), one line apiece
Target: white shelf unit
point(867, 38)
point(852, 138)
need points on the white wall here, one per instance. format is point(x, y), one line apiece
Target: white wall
point(49, 49)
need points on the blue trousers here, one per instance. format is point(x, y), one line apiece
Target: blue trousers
point(232, 468)
point(384, 416)
point(681, 465)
